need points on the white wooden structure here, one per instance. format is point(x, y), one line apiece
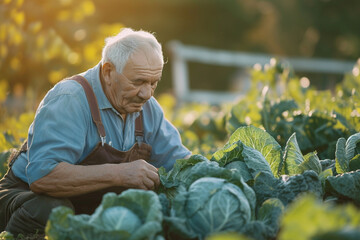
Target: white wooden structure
point(181, 54)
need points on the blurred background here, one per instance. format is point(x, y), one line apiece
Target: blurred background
point(42, 42)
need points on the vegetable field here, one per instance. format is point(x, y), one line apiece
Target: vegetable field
point(280, 163)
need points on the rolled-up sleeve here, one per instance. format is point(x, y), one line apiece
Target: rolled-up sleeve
point(58, 134)
point(164, 139)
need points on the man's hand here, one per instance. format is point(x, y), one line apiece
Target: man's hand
point(138, 174)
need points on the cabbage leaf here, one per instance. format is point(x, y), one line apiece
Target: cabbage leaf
point(248, 161)
point(345, 185)
point(210, 205)
point(132, 215)
point(293, 157)
point(262, 141)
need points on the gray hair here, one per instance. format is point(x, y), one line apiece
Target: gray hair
point(118, 49)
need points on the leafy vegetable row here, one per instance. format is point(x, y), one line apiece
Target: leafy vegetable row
point(249, 187)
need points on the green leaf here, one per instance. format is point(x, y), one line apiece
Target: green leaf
point(311, 162)
point(238, 113)
point(271, 212)
point(227, 236)
point(351, 143)
point(346, 185)
point(6, 236)
point(255, 161)
point(309, 216)
point(345, 152)
point(342, 164)
point(149, 230)
point(273, 114)
point(248, 161)
point(355, 163)
point(229, 153)
point(343, 234)
point(344, 121)
point(181, 167)
point(120, 218)
point(209, 205)
point(241, 167)
point(260, 140)
point(165, 204)
point(258, 230)
point(265, 187)
point(293, 157)
point(144, 205)
point(327, 164)
point(268, 220)
point(185, 173)
point(4, 162)
point(324, 175)
point(58, 226)
point(287, 188)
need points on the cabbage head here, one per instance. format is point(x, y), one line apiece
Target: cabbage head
point(120, 218)
point(210, 205)
point(132, 215)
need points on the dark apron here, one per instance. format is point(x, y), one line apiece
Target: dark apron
point(103, 153)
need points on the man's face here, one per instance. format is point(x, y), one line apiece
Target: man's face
point(128, 91)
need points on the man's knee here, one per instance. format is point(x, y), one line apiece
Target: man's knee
point(41, 206)
point(32, 216)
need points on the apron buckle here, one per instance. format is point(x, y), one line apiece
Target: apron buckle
point(139, 139)
point(103, 140)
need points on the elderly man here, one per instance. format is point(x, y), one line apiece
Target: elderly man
point(96, 132)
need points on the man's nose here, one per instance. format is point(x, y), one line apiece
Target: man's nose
point(145, 92)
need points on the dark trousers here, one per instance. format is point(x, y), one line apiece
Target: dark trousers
point(21, 210)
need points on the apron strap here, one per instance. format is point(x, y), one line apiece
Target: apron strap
point(94, 107)
point(139, 131)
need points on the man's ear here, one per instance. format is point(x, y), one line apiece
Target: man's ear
point(107, 71)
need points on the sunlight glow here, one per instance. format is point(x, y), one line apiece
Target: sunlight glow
point(355, 113)
point(272, 62)
point(247, 120)
point(80, 35)
point(304, 82)
point(355, 71)
point(73, 58)
point(257, 67)
point(264, 91)
point(205, 120)
point(189, 118)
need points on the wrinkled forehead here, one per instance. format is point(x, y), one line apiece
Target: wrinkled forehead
point(146, 56)
point(151, 51)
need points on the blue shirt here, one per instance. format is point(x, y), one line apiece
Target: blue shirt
point(63, 130)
